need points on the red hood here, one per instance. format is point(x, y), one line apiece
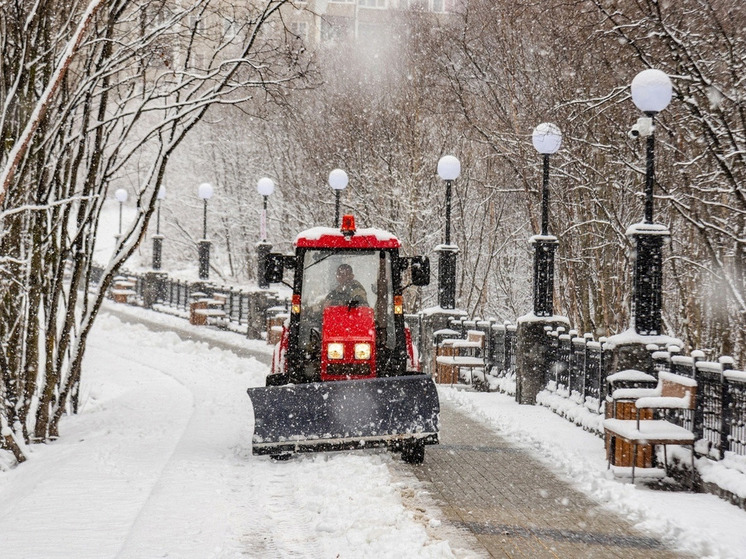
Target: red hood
point(348, 325)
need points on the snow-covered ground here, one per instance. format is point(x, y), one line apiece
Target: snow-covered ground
point(702, 524)
point(158, 464)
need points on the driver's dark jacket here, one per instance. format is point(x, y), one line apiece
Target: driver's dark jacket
point(351, 292)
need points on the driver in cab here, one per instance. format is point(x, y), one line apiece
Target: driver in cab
point(348, 291)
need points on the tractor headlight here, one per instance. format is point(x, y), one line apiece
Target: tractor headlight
point(335, 351)
point(362, 351)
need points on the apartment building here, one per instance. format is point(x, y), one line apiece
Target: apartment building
point(201, 31)
point(321, 21)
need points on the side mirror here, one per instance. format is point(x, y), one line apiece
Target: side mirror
point(420, 268)
point(274, 269)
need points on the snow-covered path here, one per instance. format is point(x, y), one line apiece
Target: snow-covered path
point(158, 464)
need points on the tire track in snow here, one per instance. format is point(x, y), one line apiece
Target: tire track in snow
point(184, 427)
point(203, 485)
point(283, 527)
point(239, 475)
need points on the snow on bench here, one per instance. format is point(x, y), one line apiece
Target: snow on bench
point(456, 354)
point(122, 289)
point(207, 309)
point(673, 392)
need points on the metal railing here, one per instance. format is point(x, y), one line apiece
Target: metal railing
point(577, 372)
point(243, 308)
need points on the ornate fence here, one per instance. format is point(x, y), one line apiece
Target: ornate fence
point(243, 308)
point(578, 374)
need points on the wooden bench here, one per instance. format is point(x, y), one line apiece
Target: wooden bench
point(123, 289)
point(275, 324)
point(458, 354)
point(673, 392)
point(623, 388)
point(205, 310)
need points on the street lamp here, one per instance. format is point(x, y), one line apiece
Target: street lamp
point(338, 181)
point(651, 93)
point(449, 169)
point(265, 186)
point(205, 192)
point(547, 139)
point(121, 196)
point(158, 238)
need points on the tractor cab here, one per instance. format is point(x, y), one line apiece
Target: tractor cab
point(346, 322)
point(346, 318)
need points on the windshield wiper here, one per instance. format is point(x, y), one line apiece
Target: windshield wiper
point(319, 260)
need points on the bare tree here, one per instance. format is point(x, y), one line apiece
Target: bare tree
point(141, 76)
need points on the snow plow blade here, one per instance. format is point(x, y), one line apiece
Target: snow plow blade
point(344, 414)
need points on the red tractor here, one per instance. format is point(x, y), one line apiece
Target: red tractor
point(345, 373)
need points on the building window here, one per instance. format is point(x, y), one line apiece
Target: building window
point(428, 5)
point(336, 28)
point(197, 24)
point(230, 28)
point(373, 3)
point(300, 29)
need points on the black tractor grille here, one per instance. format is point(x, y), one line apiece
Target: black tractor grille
point(348, 369)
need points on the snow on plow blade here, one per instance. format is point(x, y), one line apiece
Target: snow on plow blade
point(344, 414)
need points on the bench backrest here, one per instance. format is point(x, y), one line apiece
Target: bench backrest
point(677, 386)
point(475, 336)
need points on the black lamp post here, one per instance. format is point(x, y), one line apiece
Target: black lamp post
point(265, 186)
point(651, 93)
point(158, 238)
point(338, 181)
point(205, 192)
point(449, 168)
point(547, 139)
point(121, 197)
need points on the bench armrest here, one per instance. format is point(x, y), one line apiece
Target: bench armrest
point(668, 402)
point(634, 393)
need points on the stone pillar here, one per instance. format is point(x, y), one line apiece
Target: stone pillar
point(630, 350)
point(533, 354)
point(204, 259)
point(263, 249)
point(154, 288)
point(256, 321)
point(255, 318)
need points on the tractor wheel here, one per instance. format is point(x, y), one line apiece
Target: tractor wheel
point(413, 452)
